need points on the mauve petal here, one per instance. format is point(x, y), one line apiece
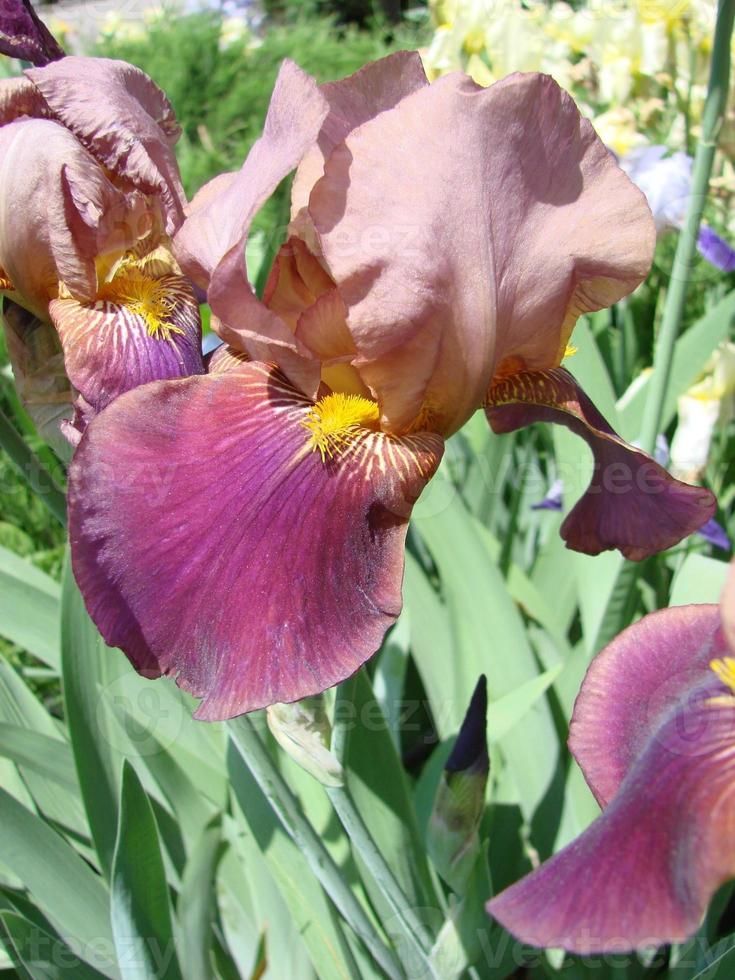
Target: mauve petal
point(632, 503)
point(108, 348)
point(478, 248)
point(295, 281)
point(376, 87)
point(24, 35)
point(57, 212)
point(20, 97)
point(125, 121)
point(727, 608)
point(210, 246)
point(643, 873)
point(633, 684)
point(212, 543)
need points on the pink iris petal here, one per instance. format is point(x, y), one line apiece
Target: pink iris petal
point(644, 871)
point(456, 254)
point(727, 604)
point(354, 100)
point(210, 246)
point(131, 130)
point(24, 35)
point(58, 210)
point(109, 348)
point(211, 542)
point(632, 503)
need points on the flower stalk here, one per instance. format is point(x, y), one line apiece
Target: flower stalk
point(256, 757)
point(417, 941)
point(712, 118)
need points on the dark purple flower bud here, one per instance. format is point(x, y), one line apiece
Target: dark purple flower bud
point(452, 837)
point(24, 35)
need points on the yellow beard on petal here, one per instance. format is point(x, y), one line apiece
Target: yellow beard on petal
point(144, 297)
point(725, 670)
point(335, 419)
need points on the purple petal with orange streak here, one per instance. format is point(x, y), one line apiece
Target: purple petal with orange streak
point(108, 349)
point(24, 35)
point(212, 543)
point(643, 872)
point(632, 503)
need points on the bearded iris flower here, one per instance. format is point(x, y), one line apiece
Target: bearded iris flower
point(91, 197)
point(654, 733)
point(243, 531)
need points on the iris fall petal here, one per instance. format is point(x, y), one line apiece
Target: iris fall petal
point(114, 344)
point(632, 503)
point(276, 571)
point(643, 872)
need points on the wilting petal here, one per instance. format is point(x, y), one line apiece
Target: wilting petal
point(211, 244)
point(24, 35)
point(376, 87)
point(38, 370)
point(211, 542)
point(125, 121)
point(644, 871)
point(458, 254)
point(126, 338)
point(632, 503)
point(57, 212)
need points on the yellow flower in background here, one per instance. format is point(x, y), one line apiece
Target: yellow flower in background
point(707, 404)
point(617, 128)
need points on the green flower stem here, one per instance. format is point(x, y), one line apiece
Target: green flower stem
point(32, 469)
point(714, 110)
point(417, 941)
point(259, 761)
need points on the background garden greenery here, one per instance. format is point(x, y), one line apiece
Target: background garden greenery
point(136, 843)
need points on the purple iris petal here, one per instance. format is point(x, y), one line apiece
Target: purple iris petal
point(24, 35)
point(654, 730)
point(715, 250)
point(213, 543)
point(715, 534)
point(632, 503)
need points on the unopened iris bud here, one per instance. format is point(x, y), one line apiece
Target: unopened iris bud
point(303, 731)
point(453, 840)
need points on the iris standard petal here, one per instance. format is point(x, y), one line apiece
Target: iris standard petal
point(458, 254)
point(642, 874)
point(24, 35)
point(58, 211)
point(130, 131)
point(210, 246)
point(139, 329)
point(632, 503)
point(212, 542)
point(373, 89)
